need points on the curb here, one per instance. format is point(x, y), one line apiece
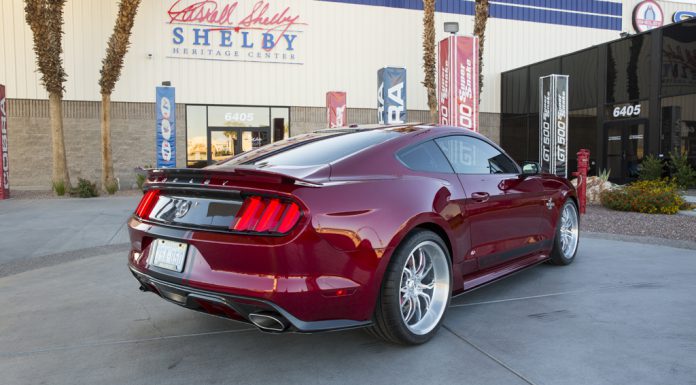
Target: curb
point(679, 244)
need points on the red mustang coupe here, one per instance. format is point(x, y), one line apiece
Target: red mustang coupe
point(372, 227)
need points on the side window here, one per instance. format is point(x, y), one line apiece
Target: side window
point(424, 157)
point(470, 155)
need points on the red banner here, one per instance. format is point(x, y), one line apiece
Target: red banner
point(336, 114)
point(458, 87)
point(4, 166)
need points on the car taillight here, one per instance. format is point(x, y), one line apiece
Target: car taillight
point(266, 215)
point(147, 204)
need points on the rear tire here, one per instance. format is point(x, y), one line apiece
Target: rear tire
point(416, 290)
point(565, 243)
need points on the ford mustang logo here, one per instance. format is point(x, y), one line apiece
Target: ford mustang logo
point(182, 207)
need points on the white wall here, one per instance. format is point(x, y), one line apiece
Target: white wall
point(342, 47)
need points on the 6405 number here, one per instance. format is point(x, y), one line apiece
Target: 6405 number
point(626, 111)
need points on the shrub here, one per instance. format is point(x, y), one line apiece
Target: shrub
point(649, 196)
point(684, 175)
point(111, 187)
point(59, 188)
point(85, 189)
point(604, 175)
point(651, 168)
point(140, 180)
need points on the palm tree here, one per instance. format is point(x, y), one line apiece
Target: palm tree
point(45, 18)
point(110, 72)
point(480, 21)
point(429, 60)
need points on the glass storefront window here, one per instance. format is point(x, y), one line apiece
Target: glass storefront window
point(216, 133)
point(238, 116)
point(581, 69)
point(280, 123)
point(628, 69)
point(196, 136)
point(678, 131)
point(679, 59)
point(582, 133)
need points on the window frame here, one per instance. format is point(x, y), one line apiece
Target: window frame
point(496, 147)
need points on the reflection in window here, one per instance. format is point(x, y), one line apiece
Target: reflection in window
point(473, 156)
point(196, 137)
point(628, 69)
point(678, 133)
point(679, 59)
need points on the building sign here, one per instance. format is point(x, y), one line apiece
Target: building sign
point(630, 110)
point(682, 15)
point(229, 30)
point(458, 82)
point(553, 124)
point(4, 161)
point(165, 113)
point(391, 95)
point(647, 15)
point(336, 109)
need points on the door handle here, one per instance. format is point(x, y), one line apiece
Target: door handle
point(480, 196)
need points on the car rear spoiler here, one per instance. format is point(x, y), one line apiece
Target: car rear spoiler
point(198, 178)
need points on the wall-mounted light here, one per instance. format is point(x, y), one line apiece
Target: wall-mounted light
point(624, 35)
point(451, 27)
point(167, 83)
point(149, 56)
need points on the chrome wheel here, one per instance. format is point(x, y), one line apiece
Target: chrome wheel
point(569, 231)
point(424, 287)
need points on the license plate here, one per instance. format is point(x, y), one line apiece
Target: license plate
point(169, 255)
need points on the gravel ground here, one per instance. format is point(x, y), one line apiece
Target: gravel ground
point(602, 220)
point(44, 194)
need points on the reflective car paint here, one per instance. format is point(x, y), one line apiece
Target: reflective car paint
point(330, 266)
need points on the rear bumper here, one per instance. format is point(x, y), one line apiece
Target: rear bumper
point(233, 306)
point(302, 277)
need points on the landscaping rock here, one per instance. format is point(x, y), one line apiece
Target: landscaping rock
point(595, 186)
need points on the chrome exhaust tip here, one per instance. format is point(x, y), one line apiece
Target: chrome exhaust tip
point(269, 321)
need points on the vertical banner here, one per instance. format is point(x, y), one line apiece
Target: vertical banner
point(4, 161)
point(458, 103)
point(560, 137)
point(336, 109)
point(391, 95)
point(553, 124)
point(165, 106)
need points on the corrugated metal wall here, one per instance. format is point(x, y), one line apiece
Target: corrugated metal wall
point(341, 45)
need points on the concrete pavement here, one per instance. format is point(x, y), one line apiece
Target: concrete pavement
point(622, 313)
point(71, 313)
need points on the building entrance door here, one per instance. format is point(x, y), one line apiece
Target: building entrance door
point(624, 144)
point(226, 142)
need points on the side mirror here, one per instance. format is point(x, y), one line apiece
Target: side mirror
point(530, 168)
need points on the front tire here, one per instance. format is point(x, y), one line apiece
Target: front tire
point(416, 290)
point(565, 244)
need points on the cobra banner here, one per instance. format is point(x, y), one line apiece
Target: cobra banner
point(336, 109)
point(4, 164)
point(391, 95)
point(165, 106)
point(553, 124)
point(458, 82)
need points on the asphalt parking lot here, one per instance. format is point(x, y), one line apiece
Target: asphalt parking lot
point(623, 313)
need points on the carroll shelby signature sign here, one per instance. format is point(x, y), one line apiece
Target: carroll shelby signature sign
point(553, 124)
point(244, 30)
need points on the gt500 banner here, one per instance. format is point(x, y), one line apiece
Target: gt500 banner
point(458, 82)
point(391, 95)
point(165, 107)
point(553, 124)
point(4, 166)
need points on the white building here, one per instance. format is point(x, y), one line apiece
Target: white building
point(257, 61)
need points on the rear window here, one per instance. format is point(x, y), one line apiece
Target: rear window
point(327, 150)
point(425, 157)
